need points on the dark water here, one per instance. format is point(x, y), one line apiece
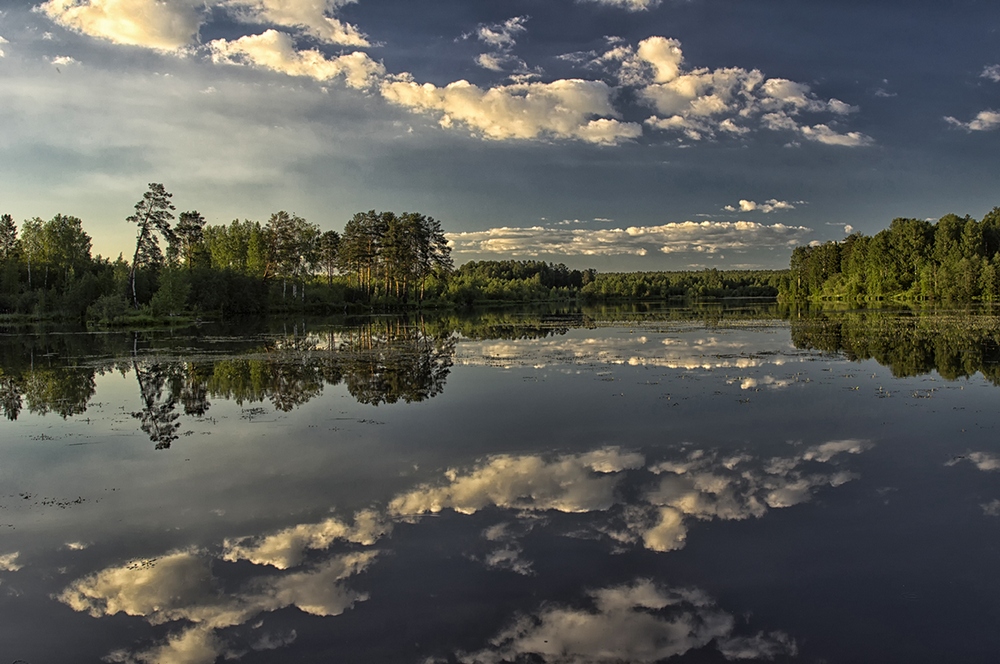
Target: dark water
point(603, 486)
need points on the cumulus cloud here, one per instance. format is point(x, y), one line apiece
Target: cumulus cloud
point(2, 41)
point(500, 36)
point(628, 5)
point(697, 103)
point(8, 562)
point(821, 133)
point(565, 108)
point(992, 73)
point(639, 622)
point(276, 51)
point(984, 121)
point(163, 26)
point(767, 207)
point(174, 26)
point(701, 103)
point(695, 237)
point(991, 508)
point(569, 483)
point(311, 16)
point(63, 61)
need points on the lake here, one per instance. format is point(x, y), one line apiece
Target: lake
point(725, 483)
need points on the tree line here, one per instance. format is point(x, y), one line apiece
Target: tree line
point(180, 265)
point(954, 259)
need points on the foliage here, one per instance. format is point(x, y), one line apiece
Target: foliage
point(152, 216)
point(956, 259)
point(683, 285)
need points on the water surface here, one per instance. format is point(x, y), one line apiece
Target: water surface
point(597, 486)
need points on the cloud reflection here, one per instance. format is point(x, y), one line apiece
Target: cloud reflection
point(640, 622)
point(8, 562)
point(287, 548)
point(181, 586)
point(569, 483)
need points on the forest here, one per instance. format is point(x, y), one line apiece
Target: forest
point(184, 268)
point(956, 259)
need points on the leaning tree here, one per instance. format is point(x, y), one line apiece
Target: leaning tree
point(152, 216)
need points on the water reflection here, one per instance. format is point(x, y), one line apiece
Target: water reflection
point(640, 622)
point(181, 587)
point(583, 491)
point(391, 360)
point(909, 343)
point(310, 566)
point(382, 362)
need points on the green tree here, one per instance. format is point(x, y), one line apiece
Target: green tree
point(329, 248)
point(8, 238)
point(152, 215)
point(188, 234)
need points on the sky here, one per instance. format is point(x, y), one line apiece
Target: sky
point(614, 134)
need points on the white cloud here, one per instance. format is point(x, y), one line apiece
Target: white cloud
point(174, 26)
point(640, 623)
point(628, 5)
point(821, 133)
point(309, 15)
point(570, 483)
point(984, 121)
point(773, 205)
point(566, 108)
point(991, 72)
point(163, 26)
point(701, 103)
point(848, 229)
point(8, 562)
point(708, 237)
point(501, 36)
point(697, 103)
point(3, 41)
point(276, 51)
point(63, 61)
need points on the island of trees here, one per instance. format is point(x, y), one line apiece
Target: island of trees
point(182, 266)
point(956, 259)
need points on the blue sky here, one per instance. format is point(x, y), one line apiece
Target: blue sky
point(617, 134)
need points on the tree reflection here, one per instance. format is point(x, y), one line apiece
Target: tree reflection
point(157, 417)
point(10, 396)
point(910, 344)
point(395, 361)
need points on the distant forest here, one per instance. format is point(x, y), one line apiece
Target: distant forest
point(956, 259)
point(183, 267)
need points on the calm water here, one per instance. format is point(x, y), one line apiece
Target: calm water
point(698, 486)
